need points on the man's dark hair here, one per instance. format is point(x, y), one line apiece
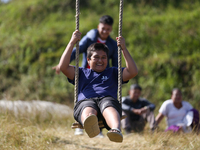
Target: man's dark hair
point(106, 19)
point(176, 89)
point(96, 47)
point(135, 86)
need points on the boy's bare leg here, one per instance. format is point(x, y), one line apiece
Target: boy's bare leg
point(112, 118)
point(90, 122)
point(87, 112)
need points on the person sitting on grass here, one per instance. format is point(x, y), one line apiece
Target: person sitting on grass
point(180, 115)
point(97, 90)
point(138, 110)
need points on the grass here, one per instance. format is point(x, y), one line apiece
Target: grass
point(24, 134)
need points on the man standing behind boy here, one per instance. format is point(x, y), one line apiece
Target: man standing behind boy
point(99, 35)
point(138, 111)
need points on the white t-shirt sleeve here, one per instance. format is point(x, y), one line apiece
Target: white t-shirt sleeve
point(164, 107)
point(187, 105)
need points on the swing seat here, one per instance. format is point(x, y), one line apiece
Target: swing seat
point(101, 125)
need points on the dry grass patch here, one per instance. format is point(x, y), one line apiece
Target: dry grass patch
point(23, 134)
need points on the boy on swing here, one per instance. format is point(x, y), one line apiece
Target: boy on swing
point(97, 91)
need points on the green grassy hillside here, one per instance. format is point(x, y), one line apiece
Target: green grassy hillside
point(162, 36)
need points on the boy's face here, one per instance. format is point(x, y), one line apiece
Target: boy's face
point(104, 30)
point(98, 61)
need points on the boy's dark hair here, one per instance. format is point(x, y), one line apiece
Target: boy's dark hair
point(135, 86)
point(96, 47)
point(106, 19)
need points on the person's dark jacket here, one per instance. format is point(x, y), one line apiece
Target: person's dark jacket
point(90, 38)
point(128, 105)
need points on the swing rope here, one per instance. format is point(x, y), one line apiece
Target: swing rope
point(77, 55)
point(119, 54)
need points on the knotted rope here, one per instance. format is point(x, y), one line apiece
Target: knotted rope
point(77, 55)
point(119, 54)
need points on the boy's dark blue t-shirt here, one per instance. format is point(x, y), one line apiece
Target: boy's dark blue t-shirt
point(97, 84)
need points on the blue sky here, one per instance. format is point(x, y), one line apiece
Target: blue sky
point(5, 1)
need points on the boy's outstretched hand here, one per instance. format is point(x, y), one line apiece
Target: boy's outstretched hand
point(76, 36)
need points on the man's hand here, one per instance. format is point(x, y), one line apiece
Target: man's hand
point(57, 69)
point(140, 111)
point(144, 109)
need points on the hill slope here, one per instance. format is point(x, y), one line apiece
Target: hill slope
point(163, 38)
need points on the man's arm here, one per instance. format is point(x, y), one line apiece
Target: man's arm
point(125, 106)
point(115, 59)
point(149, 105)
point(82, 48)
point(159, 118)
point(64, 66)
point(114, 56)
